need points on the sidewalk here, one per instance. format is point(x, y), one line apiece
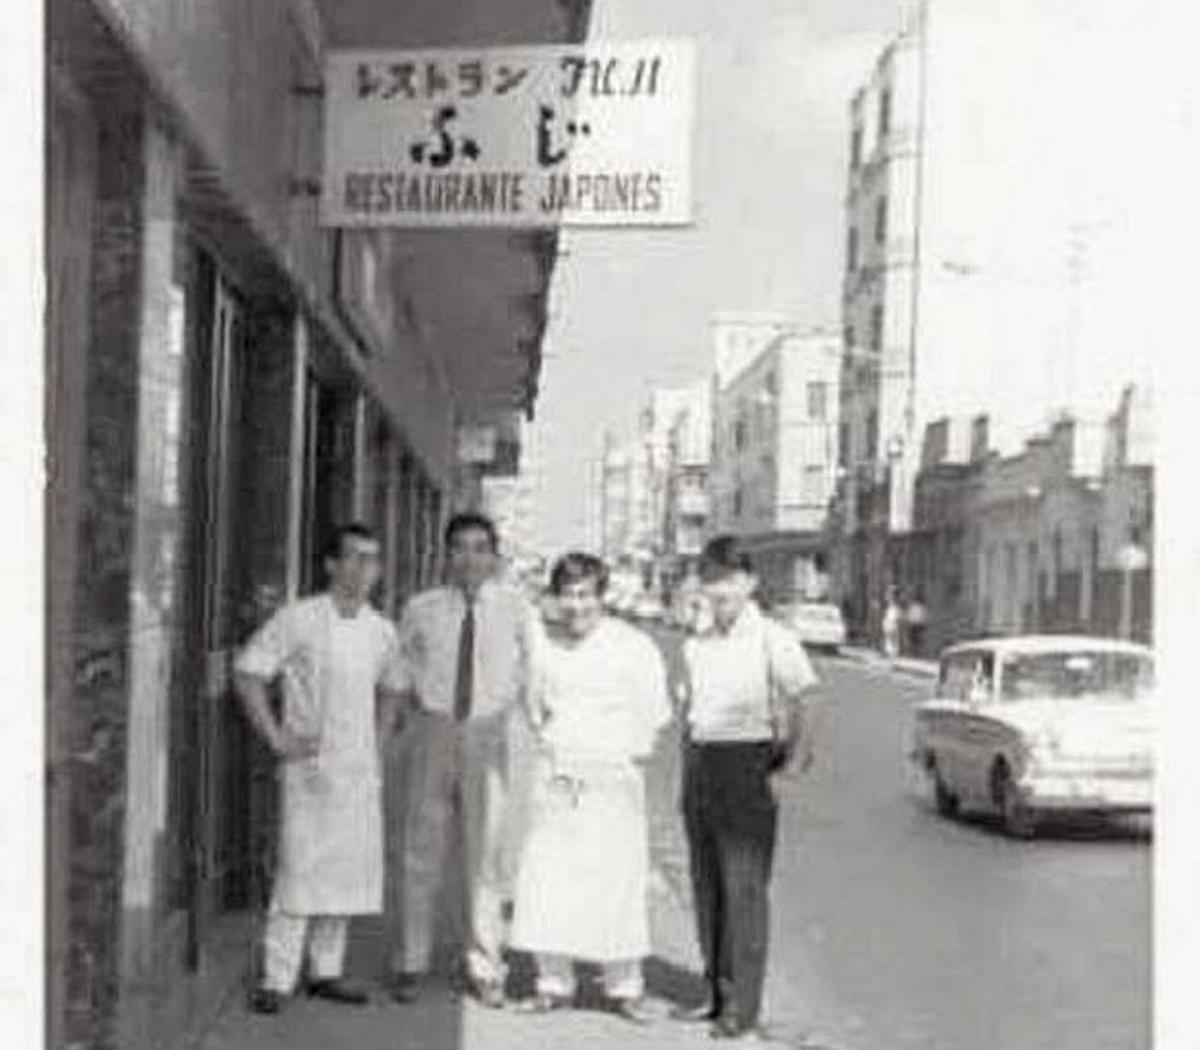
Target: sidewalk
point(908, 665)
point(440, 1022)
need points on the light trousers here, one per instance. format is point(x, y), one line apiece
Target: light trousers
point(622, 978)
point(283, 948)
point(447, 786)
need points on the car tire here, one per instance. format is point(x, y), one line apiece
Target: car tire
point(1019, 818)
point(944, 799)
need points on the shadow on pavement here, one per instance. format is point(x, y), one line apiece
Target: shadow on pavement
point(1067, 829)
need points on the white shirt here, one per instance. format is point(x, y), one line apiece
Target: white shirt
point(604, 697)
point(429, 631)
point(732, 677)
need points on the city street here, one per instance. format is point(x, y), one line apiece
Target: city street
point(892, 930)
point(896, 929)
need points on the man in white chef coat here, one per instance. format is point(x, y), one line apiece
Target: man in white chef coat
point(599, 702)
point(467, 644)
point(341, 671)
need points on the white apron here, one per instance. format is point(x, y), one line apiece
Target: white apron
point(330, 859)
point(582, 879)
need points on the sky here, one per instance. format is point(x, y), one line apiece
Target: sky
point(630, 309)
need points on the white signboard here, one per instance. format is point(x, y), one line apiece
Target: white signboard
point(597, 134)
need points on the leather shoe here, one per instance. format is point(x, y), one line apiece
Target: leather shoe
point(706, 1011)
point(490, 993)
point(633, 1010)
point(338, 990)
point(542, 1003)
point(406, 987)
point(265, 1001)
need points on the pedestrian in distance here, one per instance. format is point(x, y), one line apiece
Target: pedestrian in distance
point(891, 626)
point(339, 662)
point(916, 618)
point(599, 701)
point(745, 723)
point(467, 645)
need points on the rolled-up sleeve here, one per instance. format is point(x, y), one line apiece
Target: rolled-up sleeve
point(268, 649)
point(790, 666)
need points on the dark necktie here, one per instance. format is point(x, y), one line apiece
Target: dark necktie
point(464, 681)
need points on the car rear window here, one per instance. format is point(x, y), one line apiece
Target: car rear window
point(1067, 675)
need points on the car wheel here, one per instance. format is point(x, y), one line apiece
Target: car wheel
point(1020, 820)
point(945, 799)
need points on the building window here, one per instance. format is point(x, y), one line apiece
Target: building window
point(881, 218)
point(852, 250)
point(813, 484)
point(885, 112)
point(843, 443)
point(739, 435)
point(872, 436)
point(877, 328)
point(818, 395)
point(848, 336)
point(737, 502)
point(856, 140)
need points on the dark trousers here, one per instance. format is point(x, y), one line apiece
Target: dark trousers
point(729, 816)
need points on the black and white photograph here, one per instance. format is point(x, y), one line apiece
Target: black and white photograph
point(605, 524)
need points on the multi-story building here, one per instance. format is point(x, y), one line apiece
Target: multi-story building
point(686, 509)
point(774, 458)
point(1058, 537)
point(739, 336)
point(975, 281)
point(226, 380)
point(514, 502)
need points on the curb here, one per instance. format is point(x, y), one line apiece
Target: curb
point(914, 668)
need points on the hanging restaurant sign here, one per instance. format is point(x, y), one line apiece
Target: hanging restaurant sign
point(597, 134)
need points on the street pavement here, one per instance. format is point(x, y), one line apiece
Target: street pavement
point(892, 929)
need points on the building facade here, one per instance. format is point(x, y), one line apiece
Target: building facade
point(972, 284)
point(774, 460)
point(1058, 538)
point(226, 381)
point(686, 511)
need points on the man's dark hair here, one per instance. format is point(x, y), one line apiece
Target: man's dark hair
point(576, 567)
point(472, 520)
point(723, 556)
point(337, 538)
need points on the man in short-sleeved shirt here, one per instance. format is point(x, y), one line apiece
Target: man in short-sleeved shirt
point(744, 722)
point(333, 653)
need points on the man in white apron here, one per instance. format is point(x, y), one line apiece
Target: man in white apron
point(467, 646)
point(599, 701)
point(334, 654)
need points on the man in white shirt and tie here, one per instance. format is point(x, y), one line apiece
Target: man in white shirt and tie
point(744, 722)
point(468, 646)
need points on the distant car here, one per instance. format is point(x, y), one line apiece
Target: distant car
point(817, 624)
point(1034, 725)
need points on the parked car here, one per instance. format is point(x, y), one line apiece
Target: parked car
point(1033, 725)
point(817, 624)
